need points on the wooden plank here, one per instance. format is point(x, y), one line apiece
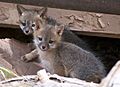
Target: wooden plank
point(86, 23)
point(104, 6)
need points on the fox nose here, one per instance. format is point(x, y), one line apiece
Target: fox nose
point(44, 47)
point(27, 31)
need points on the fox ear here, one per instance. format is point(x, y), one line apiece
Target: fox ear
point(20, 9)
point(43, 12)
point(60, 30)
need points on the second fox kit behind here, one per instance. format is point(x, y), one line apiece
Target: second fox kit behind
point(62, 57)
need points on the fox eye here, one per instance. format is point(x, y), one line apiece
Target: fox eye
point(51, 41)
point(24, 24)
point(40, 39)
point(33, 25)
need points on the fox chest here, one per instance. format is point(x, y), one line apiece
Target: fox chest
point(47, 62)
point(54, 67)
point(51, 62)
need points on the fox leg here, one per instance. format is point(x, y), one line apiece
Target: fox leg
point(30, 56)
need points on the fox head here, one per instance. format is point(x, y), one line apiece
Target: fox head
point(47, 36)
point(27, 18)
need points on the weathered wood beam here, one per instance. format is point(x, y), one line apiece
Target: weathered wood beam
point(86, 23)
point(104, 6)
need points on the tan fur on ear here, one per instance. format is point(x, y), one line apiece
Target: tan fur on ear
point(43, 12)
point(20, 9)
point(60, 29)
point(38, 24)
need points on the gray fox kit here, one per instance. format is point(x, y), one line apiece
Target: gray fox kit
point(27, 23)
point(64, 58)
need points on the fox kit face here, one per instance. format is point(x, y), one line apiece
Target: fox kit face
point(27, 18)
point(46, 36)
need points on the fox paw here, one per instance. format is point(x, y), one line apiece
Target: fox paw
point(23, 58)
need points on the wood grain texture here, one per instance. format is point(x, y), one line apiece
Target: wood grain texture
point(86, 23)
